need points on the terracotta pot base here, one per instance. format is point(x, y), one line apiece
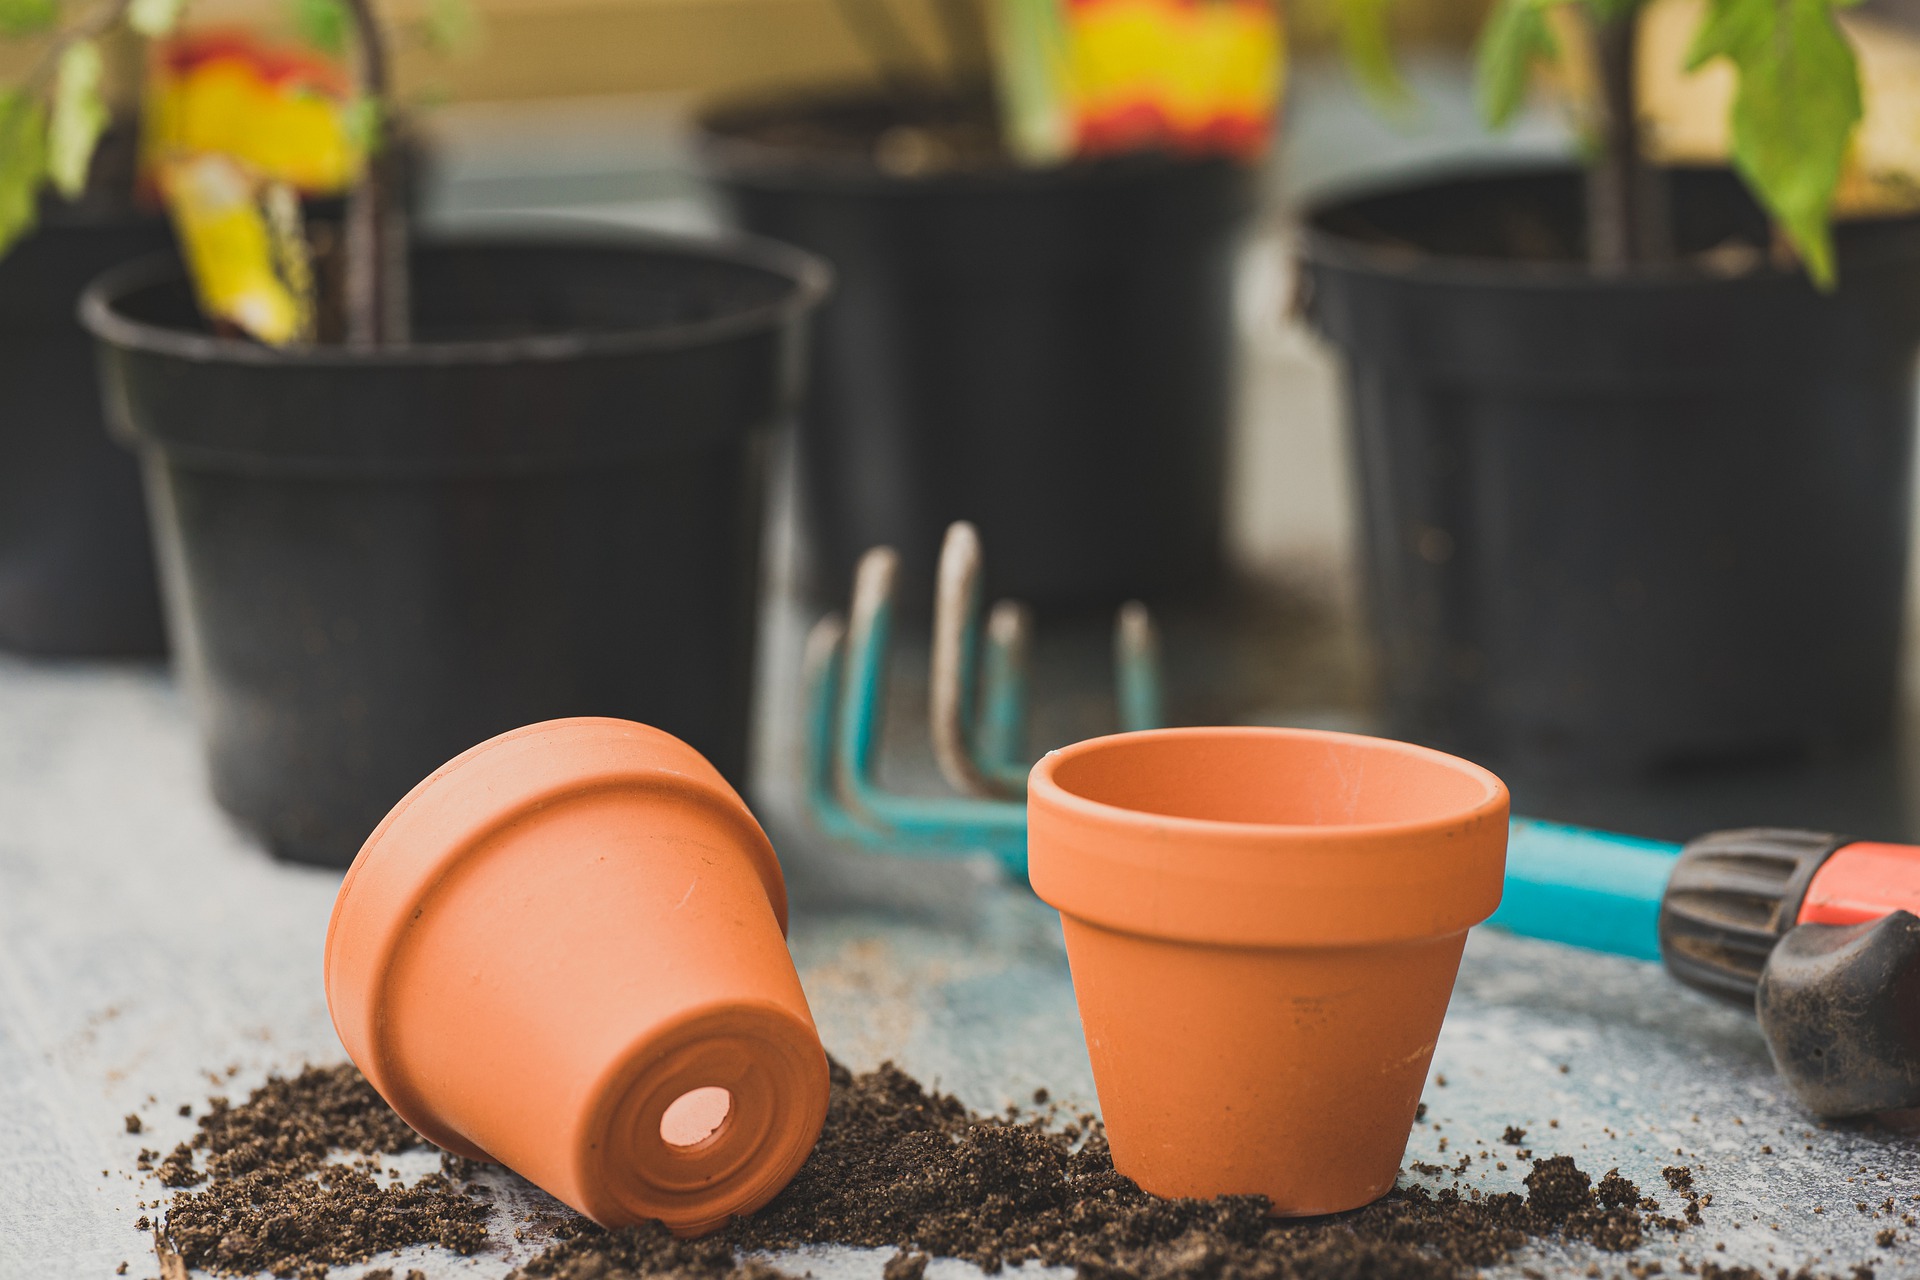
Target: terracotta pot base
point(1254, 1112)
point(630, 1169)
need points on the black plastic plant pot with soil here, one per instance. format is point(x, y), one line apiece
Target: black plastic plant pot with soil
point(1047, 352)
point(76, 567)
point(549, 504)
point(1636, 523)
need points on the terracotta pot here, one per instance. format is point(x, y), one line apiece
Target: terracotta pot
point(565, 951)
point(1264, 927)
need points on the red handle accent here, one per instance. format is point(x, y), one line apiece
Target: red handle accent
point(1863, 881)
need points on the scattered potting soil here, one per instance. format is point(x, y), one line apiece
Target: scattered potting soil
point(901, 1167)
point(271, 1199)
point(587, 1253)
point(898, 1166)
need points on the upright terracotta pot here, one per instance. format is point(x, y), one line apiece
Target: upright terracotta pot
point(565, 951)
point(1264, 927)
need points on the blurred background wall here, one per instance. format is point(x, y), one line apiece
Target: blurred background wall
point(544, 49)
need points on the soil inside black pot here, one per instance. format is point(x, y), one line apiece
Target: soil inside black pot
point(1540, 217)
point(556, 295)
point(903, 135)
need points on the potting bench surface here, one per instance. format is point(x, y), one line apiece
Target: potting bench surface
point(151, 955)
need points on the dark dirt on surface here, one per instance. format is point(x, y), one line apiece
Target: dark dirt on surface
point(901, 1167)
point(898, 1166)
point(272, 1201)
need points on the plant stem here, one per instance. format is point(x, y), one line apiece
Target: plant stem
point(895, 57)
point(97, 24)
point(969, 55)
point(375, 248)
point(1628, 222)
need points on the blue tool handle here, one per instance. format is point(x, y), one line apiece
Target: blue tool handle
point(1585, 888)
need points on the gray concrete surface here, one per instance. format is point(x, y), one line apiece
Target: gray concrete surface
point(151, 955)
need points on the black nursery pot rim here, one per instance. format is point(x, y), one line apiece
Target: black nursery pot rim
point(1324, 246)
point(810, 276)
point(752, 162)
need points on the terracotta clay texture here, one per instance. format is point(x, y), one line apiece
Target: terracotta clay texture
point(1264, 927)
point(567, 939)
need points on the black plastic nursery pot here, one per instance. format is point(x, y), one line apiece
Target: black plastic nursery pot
point(76, 568)
point(1633, 524)
point(1045, 352)
point(547, 505)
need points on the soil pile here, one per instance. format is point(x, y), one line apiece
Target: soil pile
point(901, 1167)
point(273, 1202)
point(898, 1166)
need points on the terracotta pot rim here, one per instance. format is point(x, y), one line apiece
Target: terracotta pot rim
point(1042, 786)
point(1218, 882)
point(380, 923)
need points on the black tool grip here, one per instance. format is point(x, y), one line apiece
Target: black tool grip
point(1732, 896)
point(1840, 1007)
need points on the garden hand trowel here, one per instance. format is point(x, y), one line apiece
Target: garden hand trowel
point(1821, 933)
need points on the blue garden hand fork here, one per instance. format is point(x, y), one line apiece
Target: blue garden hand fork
point(978, 712)
point(1588, 888)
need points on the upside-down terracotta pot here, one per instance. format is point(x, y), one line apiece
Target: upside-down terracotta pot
point(1264, 927)
point(565, 951)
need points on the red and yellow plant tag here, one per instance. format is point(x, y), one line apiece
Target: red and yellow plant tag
point(235, 133)
point(288, 115)
point(1191, 75)
point(244, 246)
point(1093, 77)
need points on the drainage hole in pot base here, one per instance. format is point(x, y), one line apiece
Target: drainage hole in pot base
point(695, 1116)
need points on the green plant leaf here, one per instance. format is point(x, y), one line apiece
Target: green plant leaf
point(1368, 46)
point(23, 163)
point(1794, 111)
point(27, 17)
point(1514, 37)
point(79, 117)
point(324, 24)
point(1728, 27)
point(154, 18)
